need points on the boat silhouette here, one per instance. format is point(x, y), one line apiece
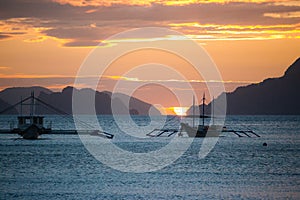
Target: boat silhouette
point(32, 126)
point(201, 130)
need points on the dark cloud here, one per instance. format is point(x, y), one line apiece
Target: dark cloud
point(84, 32)
point(208, 13)
point(4, 36)
point(84, 28)
point(42, 9)
point(13, 33)
point(77, 43)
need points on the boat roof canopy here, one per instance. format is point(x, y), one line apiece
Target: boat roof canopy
point(28, 117)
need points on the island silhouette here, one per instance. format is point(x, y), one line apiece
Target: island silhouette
point(273, 96)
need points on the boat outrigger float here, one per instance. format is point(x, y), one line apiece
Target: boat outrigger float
point(32, 126)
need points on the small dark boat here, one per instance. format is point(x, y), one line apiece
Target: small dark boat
point(201, 130)
point(213, 130)
point(32, 126)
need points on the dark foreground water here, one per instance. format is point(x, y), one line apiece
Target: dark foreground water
point(59, 166)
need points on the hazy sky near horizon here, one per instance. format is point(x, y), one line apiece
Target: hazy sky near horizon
point(44, 42)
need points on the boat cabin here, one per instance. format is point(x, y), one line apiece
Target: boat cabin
point(25, 121)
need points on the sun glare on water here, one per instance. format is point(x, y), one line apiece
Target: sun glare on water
point(181, 111)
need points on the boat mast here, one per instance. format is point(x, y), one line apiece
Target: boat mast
point(193, 111)
point(21, 106)
point(31, 107)
point(203, 102)
point(213, 110)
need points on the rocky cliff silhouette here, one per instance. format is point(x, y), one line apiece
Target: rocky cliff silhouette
point(273, 96)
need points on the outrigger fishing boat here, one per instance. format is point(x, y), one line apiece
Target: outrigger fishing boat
point(32, 126)
point(201, 130)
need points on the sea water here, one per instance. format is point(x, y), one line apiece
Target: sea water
point(60, 167)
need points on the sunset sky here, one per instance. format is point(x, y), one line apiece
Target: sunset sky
point(44, 42)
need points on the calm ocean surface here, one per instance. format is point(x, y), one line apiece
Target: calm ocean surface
point(60, 167)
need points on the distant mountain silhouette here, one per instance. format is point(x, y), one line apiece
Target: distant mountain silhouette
point(10, 96)
point(63, 101)
point(272, 96)
point(4, 105)
point(14, 94)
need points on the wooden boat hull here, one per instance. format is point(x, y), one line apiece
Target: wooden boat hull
point(202, 131)
point(31, 133)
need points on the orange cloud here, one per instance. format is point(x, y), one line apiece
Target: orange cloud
point(30, 76)
point(288, 3)
point(283, 15)
point(35, 39)
point(91, 11)
point(4, 68)
point(199, 31)
point(25, 29)
point(232, 26)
